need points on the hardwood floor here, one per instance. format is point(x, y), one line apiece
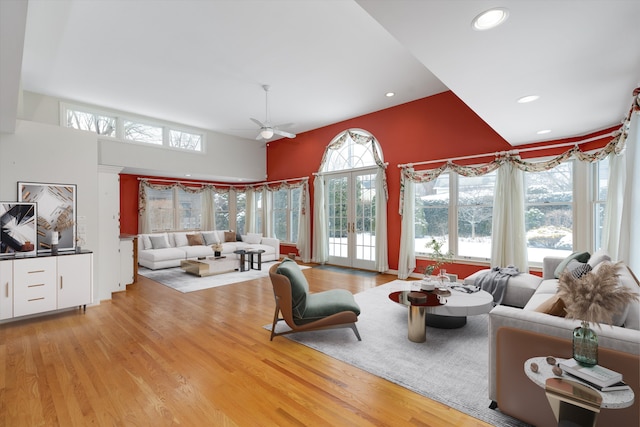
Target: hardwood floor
point(155, 357)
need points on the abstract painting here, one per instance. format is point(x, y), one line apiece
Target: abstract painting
point(56, 205)
point(17, 228)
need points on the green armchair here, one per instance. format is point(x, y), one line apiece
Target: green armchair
point(304, 311)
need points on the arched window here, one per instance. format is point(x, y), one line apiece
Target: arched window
point(350, 227)
point(351, 149)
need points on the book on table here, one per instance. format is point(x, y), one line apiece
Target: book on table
point(597, 375)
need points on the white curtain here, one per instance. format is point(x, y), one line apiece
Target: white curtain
point(267, 208)
point(508, 235)
point(623, 204)
point(407, 256)
point(250, 211)
point(320, 243)
point(208, 214)
point(382, 250)
point(304, 225)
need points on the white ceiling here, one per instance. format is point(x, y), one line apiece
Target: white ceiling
point(202, 63)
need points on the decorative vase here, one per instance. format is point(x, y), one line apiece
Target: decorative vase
point(585, 345)
point(216, 253)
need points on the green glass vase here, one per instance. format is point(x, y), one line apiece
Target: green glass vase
point(585, 345)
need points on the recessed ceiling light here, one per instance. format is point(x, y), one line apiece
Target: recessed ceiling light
point(542, 132)
point(389, 94)
point(490, 19)
point(187, 175)
point(528, 98)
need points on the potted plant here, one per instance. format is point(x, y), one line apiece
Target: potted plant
point(437, 256)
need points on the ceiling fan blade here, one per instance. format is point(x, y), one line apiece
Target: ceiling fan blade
point(258, 122)
point(283, 133)
point(284, 125)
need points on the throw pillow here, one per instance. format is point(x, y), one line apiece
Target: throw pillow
point(252, 238)
point(180, 239)
point(299, 286)
point(578, 269)
point(159, 242)
point(195, 239)
point(553, 306)
point(210, 238)
point(578, 256)
point(229, 236)
point(599, 256)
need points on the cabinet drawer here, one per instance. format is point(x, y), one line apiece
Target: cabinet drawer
point(34, 286)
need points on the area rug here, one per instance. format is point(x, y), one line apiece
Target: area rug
point(177, 279)
point(451, 367)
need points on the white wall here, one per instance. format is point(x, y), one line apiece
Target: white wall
point(39, 152)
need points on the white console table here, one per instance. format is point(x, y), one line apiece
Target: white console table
point(43, 283)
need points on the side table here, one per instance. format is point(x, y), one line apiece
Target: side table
point(419, 303)
point(573, 402)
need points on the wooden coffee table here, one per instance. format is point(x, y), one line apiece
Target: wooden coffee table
point(209, 266)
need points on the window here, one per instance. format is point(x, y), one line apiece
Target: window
point(458, 211)
point(286, 213)
point(601, 186)
point(549, 212)
point(130, 129)
point(174, 209)
point(160, 208)
point(475, 215)
point(189, 210)
point(221, 202)
point(185, 140)
point(241, 211)
point(140, 132)
point(432, 212)
point(84, 120)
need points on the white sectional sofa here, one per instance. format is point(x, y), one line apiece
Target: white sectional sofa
point(516, 334)
point(165, 250)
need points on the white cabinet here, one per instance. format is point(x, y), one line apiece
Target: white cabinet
point(6, 289)
point(45, 283)
point(34, 285)
point(74, 280)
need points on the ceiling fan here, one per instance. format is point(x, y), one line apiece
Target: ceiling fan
point(267, 130)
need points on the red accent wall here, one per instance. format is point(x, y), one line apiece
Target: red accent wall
point(436, 127)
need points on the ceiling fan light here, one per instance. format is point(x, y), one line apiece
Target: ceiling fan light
point(266, 133)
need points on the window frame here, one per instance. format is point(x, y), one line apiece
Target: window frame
point(121, 117)
point(583, 210)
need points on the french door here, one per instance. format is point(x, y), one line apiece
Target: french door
point(350, 205)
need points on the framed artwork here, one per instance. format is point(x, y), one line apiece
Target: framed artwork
point(18, 226)
point(56, 206)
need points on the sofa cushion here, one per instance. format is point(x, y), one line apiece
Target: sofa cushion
point(299, 286)
point(553, 306)
point(195, 239)
point(159, 242)
point(229, 236)
point(578, 256)
point(323, 304)
point(166, 254)
point(252, 238)
point(210, 238)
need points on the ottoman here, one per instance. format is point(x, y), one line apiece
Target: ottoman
point(519, 290)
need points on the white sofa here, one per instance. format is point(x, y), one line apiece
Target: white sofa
point(165, 250)
point(516, 334)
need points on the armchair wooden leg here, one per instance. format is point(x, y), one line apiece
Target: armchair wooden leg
point(275, 321)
